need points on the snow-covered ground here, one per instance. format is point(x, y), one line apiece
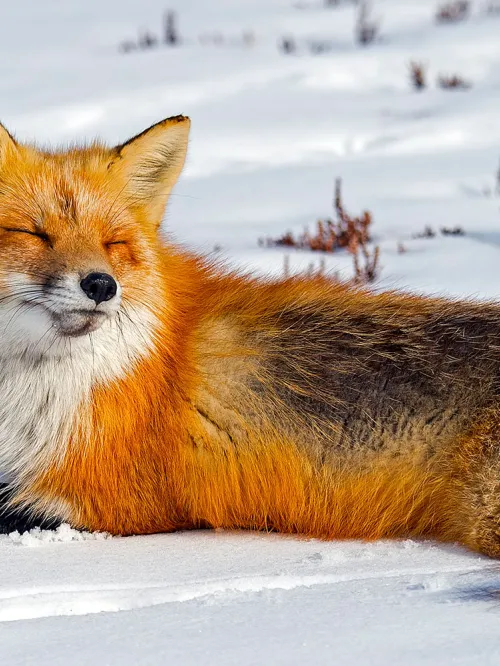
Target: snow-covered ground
point(270, 134)
point(222, 599)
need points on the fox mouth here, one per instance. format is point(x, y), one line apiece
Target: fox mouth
point(73, 323)
point(76, 323)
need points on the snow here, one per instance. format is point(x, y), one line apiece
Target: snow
point(270, 134)
point(62, 534)
point(245, 598)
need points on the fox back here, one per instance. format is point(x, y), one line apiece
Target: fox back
point(144, 389)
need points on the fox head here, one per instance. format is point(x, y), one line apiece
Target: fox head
point(79, 242)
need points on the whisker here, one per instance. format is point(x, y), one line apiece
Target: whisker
point(41, 339)
point(26, 306)
point(54, 338)
point(120, 329)
point(134, 324)
point(93, 351)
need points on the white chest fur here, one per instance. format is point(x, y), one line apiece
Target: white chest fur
point(45, 393)
point(39, 403)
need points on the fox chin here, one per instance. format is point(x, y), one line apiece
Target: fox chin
point(144, 389)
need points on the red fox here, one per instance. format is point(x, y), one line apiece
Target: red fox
point(147, 390)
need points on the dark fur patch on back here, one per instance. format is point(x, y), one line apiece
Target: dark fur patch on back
point(363, 379)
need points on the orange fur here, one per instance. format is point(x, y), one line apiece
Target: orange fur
point(133, 475)
point(187, 437)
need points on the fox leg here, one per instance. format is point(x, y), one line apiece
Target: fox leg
point(477, 474)
point(20, 519)
point(483, 527)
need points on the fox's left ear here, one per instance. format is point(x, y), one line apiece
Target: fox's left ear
point(151, 162)
point(7, 144)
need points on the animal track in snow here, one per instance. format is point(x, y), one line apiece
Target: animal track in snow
point(38, 603)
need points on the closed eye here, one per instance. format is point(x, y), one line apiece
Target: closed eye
point(39, 234)
point(117, 242)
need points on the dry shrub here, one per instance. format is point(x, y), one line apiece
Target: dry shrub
point(452, 12)
point(288, 45)
point(417, 75)
point(453, 82)
point(429, 232)
point(492, 8)
point(331, 234)
point(170, 30)
point(366, 263)
point(318, 46)
point(147, 40)
point(452, 231)
point(344, 232)
point(367, 29)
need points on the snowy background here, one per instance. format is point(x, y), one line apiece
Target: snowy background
point(270, 134)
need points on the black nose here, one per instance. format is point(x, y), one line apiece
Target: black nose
point(99, 287)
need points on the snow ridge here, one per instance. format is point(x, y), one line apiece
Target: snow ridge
point(89, 600)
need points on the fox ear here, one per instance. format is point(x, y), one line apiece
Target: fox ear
point(7, 144)
point(151, 162)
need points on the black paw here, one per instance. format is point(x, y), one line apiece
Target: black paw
point(19, 519)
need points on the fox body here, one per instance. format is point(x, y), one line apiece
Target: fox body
point(143, 389)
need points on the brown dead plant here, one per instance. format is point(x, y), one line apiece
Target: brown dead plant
point(418, 75)
point(347, 232)
point(453, 12)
